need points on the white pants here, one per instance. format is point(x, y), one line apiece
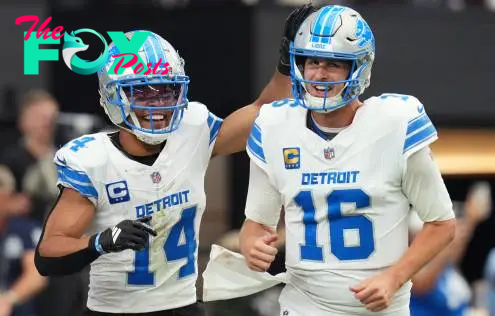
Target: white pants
point(295, 303)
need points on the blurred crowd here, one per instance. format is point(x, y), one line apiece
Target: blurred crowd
point(27, 192)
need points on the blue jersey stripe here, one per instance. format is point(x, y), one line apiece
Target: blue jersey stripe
point(420, 137)
point(214, 123)
point(85, 188)
point(78, 176)
point(214, 129)
point(417, 123)
point(210, 120)
point(256, 149)
point(256, 133)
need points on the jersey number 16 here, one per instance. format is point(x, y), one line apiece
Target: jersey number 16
point(338, 223)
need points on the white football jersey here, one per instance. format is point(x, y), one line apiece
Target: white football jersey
point(346, 214)
point(162, 276)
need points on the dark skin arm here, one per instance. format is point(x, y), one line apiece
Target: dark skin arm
point(63, 234)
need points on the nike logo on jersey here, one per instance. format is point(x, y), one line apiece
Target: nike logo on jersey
point(60, 161)
point(421, 108)
point(335, 177)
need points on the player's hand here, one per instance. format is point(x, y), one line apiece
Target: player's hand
point(260, 253)
point(292, 24)
point(376, 292)
point(128, 234)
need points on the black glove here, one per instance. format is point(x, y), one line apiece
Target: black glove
point(128, 234)
point(292, 24)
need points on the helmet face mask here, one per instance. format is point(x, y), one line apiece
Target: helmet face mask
point(330, 86)
point(153, 109)
point(149, 106)
point(332, 34)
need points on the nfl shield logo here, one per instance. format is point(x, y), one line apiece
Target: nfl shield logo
point(329, 153)
point(156, 177)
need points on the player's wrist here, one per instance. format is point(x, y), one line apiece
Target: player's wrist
point(399, 275)
point(246, 244)
point(95, 244)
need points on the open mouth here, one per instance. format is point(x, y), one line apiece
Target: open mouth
point(320, 90)
point(155, 121)
point(154, 117)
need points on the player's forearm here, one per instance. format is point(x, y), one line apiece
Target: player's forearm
point(59, 255)
point(59, 246)
point(432, 239)
point(278, 88)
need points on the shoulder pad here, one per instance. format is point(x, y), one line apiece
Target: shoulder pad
point(77, 159)
point(195, 114)
point(416, 127)
point(278, 112)
point(84, 152)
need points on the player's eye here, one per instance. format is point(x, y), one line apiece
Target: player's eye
point(314, 62)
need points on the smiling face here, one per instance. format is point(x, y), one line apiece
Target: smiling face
point(325, 70)
point(156, 96)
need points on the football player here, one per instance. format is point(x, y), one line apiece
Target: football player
point(131, 201)
point(346, 172)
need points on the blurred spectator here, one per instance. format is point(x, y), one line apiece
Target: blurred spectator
point(439, 289)
point(19, 279)
point(479, 247)
point(30, 161)
point(490, 279)
point(27, 160)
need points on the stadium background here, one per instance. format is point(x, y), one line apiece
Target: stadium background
point(440, 51)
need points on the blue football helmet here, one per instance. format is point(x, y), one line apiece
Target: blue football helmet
point(150, 106)
point(337, 33)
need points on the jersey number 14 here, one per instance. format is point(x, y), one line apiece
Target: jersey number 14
point(173, 249)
